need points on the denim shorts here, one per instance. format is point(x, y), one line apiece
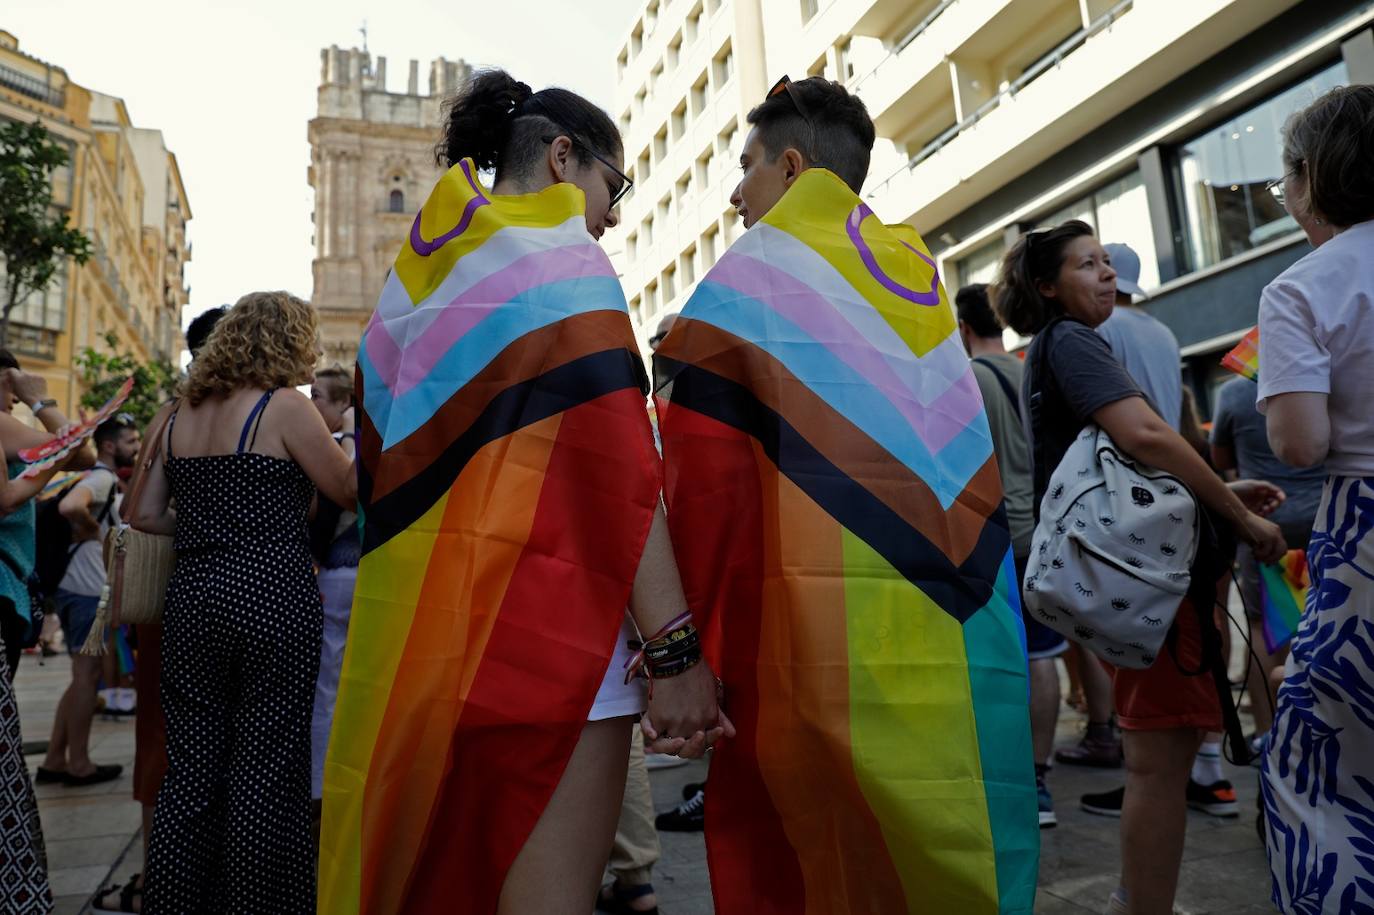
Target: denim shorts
point(77, 613)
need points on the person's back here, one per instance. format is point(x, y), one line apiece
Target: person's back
point(1150, 353)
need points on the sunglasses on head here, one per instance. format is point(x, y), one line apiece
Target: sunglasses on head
point(784, 85)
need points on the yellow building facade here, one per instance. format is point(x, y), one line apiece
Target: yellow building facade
point(123, 189)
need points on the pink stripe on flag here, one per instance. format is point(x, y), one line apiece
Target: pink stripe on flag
point(419, 356)
point(937, 423)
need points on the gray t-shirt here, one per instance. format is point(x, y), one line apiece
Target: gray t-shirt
point(1149, 351)
point(1238, 425)
point(1009, 442)
point(86, 572)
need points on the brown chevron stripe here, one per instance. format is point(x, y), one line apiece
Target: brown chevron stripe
point(532, 355)
point(954, 531)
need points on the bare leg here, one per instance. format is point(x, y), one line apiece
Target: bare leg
point(558, 872)
point(80, 712)
point(1154, 816)
point(1044, 707)
point(1262, 696)
point(1072, 659)
point(1097, 689)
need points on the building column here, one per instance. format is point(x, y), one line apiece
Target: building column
point(973, 86)
point(1358, 52)
point(1156, 180)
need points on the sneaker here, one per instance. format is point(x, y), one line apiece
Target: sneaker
point(1106, 804)
point(691, 788)
point(1101, 753)
point(1217, 799)
point(689, 816)
point(1042, 794)
point(654, 761)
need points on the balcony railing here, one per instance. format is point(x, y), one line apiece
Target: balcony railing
point(1053, 59)
point(907, 39)
point(35, 342)
point(31, 86)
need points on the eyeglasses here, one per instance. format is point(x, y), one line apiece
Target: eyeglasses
point(1275, 187)
point(125, 419)
point(785, 85)
point(626, 185)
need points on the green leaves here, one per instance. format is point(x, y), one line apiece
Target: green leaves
point(102, 373)
point(34, 235)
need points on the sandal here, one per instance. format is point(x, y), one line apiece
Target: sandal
point(125, 903)
point(616, 899)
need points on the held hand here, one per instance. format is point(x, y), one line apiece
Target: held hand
point(348, 420)
point(1264, 537)
point(1260, 496)
point(683, 718)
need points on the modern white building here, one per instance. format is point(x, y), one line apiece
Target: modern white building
point(1155, 120)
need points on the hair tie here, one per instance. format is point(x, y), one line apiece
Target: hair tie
point(523, 95)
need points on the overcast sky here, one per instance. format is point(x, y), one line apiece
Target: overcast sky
point(232, 84)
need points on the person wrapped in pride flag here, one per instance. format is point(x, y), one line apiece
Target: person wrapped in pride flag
point(837, 516)
point(510, 509)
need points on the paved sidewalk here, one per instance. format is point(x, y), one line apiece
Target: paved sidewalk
point(88, 830)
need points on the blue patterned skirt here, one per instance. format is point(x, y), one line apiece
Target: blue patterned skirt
point(1318, 783)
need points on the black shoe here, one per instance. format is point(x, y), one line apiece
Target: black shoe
point(1217, 800)
point(45, 776)
point(1106, 804)
point(692, 788)
point(101, 774)
point(689, 816)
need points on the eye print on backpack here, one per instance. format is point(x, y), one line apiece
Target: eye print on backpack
point(1057, 491)
point(1078, 586)
point(1152, 621)
point(1106, 520)
point(1046, 615)
point(1057, 562)
point(1114, 652)
point(1175, 518)
point(1080, 523)
point(1120, 603)
point(1059, 527)
point(1137, 646)
point(1084, 632)
point(1142, 496)
point(1085, 471)
point(1168, 549)
point(1135, 562)
point(1147, 658)
point(1170, 489)
point(1138, 541)
point(1030, 584)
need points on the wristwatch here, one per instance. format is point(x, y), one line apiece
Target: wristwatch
point(42, 405)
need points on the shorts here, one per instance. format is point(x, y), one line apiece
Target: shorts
point(77, 613)
point(1041, 641)
point(1162, 697)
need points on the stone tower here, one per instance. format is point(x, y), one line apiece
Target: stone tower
point(371, 166)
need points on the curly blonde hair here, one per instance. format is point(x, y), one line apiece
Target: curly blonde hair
point(267, 340)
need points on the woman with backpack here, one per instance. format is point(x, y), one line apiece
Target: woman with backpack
point(1316, 373)
point(1058, 284)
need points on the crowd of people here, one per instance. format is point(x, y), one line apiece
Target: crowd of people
point(283, 506)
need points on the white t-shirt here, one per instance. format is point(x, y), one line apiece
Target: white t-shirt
point(86, 572)
point(1317, 335)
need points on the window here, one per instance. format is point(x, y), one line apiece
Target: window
point(643, 169)
point(708, 249)
point(703, 167)
point(730, 226)
point(625, 123)
point(725, 142)
point(679, 121)
point(622, 62)
point(674, 51)
point(655, 77)
point(1220, 176)
point(669, 284)
point(396, 201)
point(699, 96)
point(683, 188)
point(692, 28)
point(809, 9)
point(1119, 213)
point(979, 266)
point(632, 245)
point(46, 308)
point(635, 308)
point(664, 207)
point(636, 41)
point(844, 61)
point(651, 297)
point(723, 67)
point(687, 267)
point(661, 144)
point(648, 231)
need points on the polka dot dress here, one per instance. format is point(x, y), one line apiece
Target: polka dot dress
point(240, 654)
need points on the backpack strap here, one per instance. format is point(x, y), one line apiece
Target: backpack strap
point(1040, 473)
point(1003, 381)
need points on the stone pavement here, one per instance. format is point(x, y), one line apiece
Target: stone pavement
point(93, 833)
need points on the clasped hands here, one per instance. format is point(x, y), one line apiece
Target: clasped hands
point(684, 717)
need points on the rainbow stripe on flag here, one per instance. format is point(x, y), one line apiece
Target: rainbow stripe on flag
point(507, 479)
point(837, 516)
point(1283, 595)
point(1244, 358)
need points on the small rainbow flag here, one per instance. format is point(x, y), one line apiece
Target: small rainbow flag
point(1244, 359)
point(1283, 594)
point(507, 479)
point(837, 517)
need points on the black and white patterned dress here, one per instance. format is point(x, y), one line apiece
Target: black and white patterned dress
point(240, 653)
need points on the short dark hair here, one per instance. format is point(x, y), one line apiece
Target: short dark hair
point(1332, 142)
point(843, 131)
point(110, 429)
point(200, 328)
point(500, 123)
point(7, 360)
point(1035, 258)
point(974, 309)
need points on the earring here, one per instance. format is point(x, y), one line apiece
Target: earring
point(1320, 221)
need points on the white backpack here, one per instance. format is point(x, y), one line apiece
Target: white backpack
point(1111, 554)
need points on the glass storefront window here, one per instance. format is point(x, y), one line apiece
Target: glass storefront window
point(1120, 214)
point(1221, 174)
